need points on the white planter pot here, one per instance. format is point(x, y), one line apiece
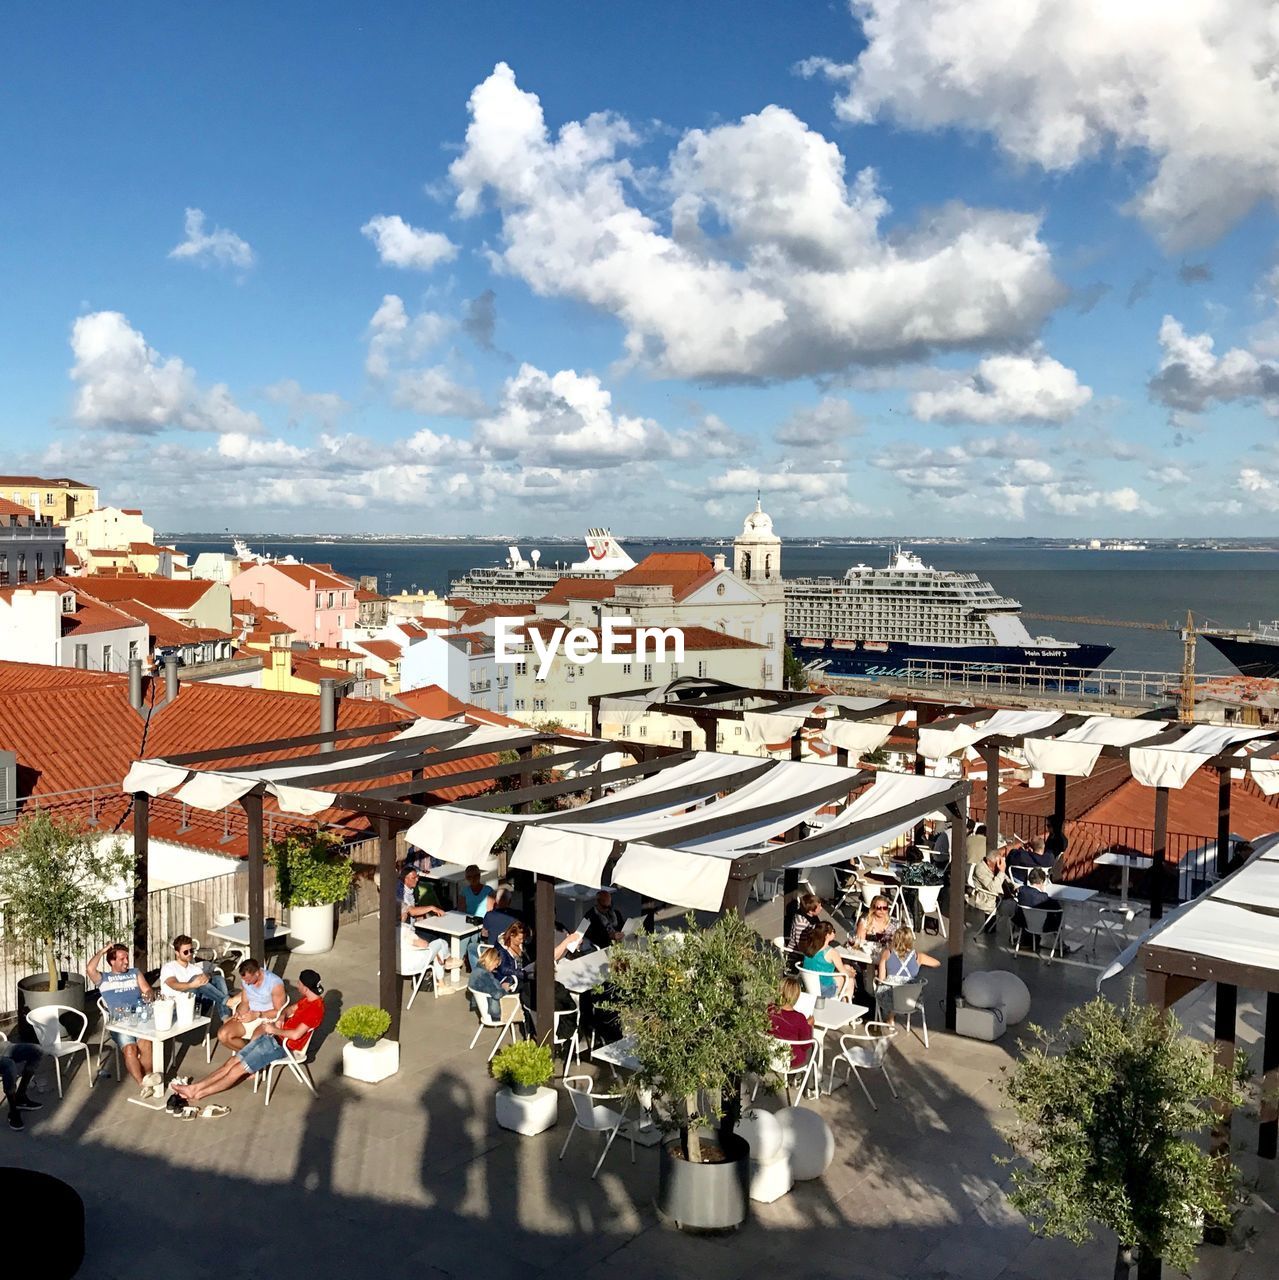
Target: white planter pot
point(371, 1065)
point(311, 929)
point(527, 1113)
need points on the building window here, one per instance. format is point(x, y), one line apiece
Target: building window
point(133, 649)
point(22, 566)
point(344, 599)
point(106, 657)
point(626, 668)
point(4, 570)
point(341, 620)
point(39, 566)
point(48, 499)
point(330, 599)
point(68, 603)
point(319, 601)
point(521, 668)
point(539, 704)
point(648, 671)
point(519, 704)
point(701, 668)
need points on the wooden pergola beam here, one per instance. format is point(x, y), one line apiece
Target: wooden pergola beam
point(489, 773)
point(289, 744)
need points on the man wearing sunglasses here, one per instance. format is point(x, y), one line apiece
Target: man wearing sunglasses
point(185, 973)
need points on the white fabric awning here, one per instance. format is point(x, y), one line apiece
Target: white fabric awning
point(1220, 930)
point(459, 836)
point(1075, 752)
point(673, 875)
point(857, 736)
point(768, 726)
point(153, 777)
point(302, 801)
point(935, 743)
point(1256, 885)
point(215, 791)
point(622, 710)
point(889, 793)
point(1171, 765)
point(566, 855)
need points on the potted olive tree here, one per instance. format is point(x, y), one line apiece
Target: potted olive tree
point(697, 1008)
point(312, 875)
point(525, 1105)
point(54, 880)
point(368, 1057)
point(1106, 1115)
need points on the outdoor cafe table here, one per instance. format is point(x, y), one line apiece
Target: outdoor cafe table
point(621, 1055)
point(237, 933)
point(580, 974)
point(158, 1039)
point(455, 926)
point(1129, 862)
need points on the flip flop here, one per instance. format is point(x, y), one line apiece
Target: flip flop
point(184, 1113)
point(215, 1112)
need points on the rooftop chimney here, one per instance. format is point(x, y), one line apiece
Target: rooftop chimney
point(135, 683)
point(720, 563)
point(82, 657)
point(170, 678)
point(328, 711)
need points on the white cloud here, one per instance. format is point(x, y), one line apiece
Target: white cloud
point(1032, 388)
point(251, 449)
point(1170, 476)
point(218, 246)
point(394, 337)
point(123, 383)
point(825, 425)
point(786, 490)
point(1192, 377)
point(802, 280)
point(324, 406)
point(401, 245)
point(435, 391)
point(1262, 491)
point(1190, 85)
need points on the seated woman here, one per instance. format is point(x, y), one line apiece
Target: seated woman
point(808, 915)
point(837, 976)
point(266, 1046)
point(437, 952)
point(788, 1023)
point(875, 928)
point(899, 963)
point(485, 985)
point(510, 952)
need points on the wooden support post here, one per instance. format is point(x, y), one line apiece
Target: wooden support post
point(388, 926)
point(1224, 1025)
point(790, 896)
point(841, 757)
point(736, 893)
point(1268, 1133)
point(252, 806)
point(1223, 820)
point(544, 946)
point(956, 922)
point(1159, 850)
point(797, 745)
point(686, 740)
point(1059, 808)
point(141, 879)
point(595, 718)
point(990, 754)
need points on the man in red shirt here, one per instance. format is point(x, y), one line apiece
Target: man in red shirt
point(293, 1030)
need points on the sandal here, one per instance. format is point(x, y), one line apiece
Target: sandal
point(214, 1111)
point(184, 1113)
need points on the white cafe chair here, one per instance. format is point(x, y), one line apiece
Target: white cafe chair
point(1111, 922)
point(1041, 924)
point(865, 1051)
point(812, 983)
point(928, 896)
point(294, 1061)
point(906, 1000)
point(588, 1114)
point(105, 1043)
point(54, 1043)
point(808, 1075)
point(568, 1039)
point(415, 963)
point(508, 1022)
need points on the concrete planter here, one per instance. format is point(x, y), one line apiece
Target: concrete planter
point(311, 929)
point(527, 1113)
point(34, 993)
point(374, 1064)
point(705, 1197)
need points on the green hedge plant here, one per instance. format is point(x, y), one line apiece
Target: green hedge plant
point(310, 870)
point(364, 1023)
point(524, 1064)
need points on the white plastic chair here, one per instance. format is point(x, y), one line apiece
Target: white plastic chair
point(928, 897)
point(588, 1114)
point(807, 1073)
point(572, 1045)
point(767, 885)
point(1112, 922)
point(1034, 922)
point(294, 1061)
point(906, 999)
point(105, 1043)
point(865, 1051)
point(508, 1021)
point(812, 983)
point(415, 963)
point(53, 1043)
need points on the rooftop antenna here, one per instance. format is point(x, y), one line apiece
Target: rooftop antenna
point(1187, 701)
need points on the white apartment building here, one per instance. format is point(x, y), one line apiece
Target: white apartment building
point(45, 624)
point(112, 528)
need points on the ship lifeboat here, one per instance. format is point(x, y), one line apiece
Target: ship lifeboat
point(876, 646)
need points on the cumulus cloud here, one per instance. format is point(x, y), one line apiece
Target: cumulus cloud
point(799, 492)
point(401, 245)
point(123, 383)
point(395, 336)
point(218, 247)
point(1170, 476)
point(1031, 388)
point(435, 391)
point(774, 265)
point(324, 406)
point(1192, 377)
point(1262, 491)
point(251, 449)
point(1190, 86)
point(824, 425)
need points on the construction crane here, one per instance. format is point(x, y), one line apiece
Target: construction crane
point(1187, 701)
point(1101, 622)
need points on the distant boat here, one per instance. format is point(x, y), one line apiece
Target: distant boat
point(520, 581)
point(1254, 651)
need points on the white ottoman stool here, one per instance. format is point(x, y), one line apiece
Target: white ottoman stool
point(770, 1164)
point(810, 1144)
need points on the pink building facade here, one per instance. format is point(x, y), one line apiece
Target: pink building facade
point(316, 602)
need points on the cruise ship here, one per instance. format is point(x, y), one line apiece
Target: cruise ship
point(871, 621)
point(1255, 651)
point(519, 581)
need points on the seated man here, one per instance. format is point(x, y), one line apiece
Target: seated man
point(260, 1004)
point(122, 988)
point(185, 973)
point(1031, 855)
point(496, 922)
point(1032, 894)
point(410, 909)
point(992, 888)
point(17, 1065)
point(602, 924)
point(265, 1048)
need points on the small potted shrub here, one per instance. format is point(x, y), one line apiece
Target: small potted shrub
point(312, 875)
point(367, 1057)
point(525, 1105)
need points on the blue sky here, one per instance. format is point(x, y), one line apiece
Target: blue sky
point(963, 267)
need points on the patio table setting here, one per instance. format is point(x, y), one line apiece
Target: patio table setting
point(143, 1026)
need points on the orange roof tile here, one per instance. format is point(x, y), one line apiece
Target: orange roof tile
point(8, 508)
point(163, 629)
point(17, 676)
point(579, 589)
point(387, 650)
point(434, 703)
point(159, 593)
point(434, 624)
point(696, 639)
point(91, 616)
point(321, 574)
point(51, 482)
point(328, 653)
point(682, 571)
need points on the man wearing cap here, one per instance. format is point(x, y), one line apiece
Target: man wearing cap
point(267, 1046)
point(992, 887)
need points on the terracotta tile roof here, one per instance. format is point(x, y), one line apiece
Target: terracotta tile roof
point(131, 511)
point(91, 616)
point(8, 508)
point(481, 613)
point(267, 627)
point(578, 589)
point(682, 571)
point(329, 653)
point(474, 641)
point(314, 672)
point(16, 677)
point(434, 624)
point(435, 703)
point(387, 650)
point(459, 602)
point(150, 589)
point(146, 548)
point(364, 596)
point(321, 574)
point(50, 482)
point(164, 630)
point(71, 558)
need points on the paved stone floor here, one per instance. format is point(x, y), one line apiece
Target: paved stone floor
point(412, 1177)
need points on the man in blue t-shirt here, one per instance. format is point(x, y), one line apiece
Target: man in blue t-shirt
point(260, 1003)
point(122, 988)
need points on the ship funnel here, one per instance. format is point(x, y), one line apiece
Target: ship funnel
point(535, 556)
